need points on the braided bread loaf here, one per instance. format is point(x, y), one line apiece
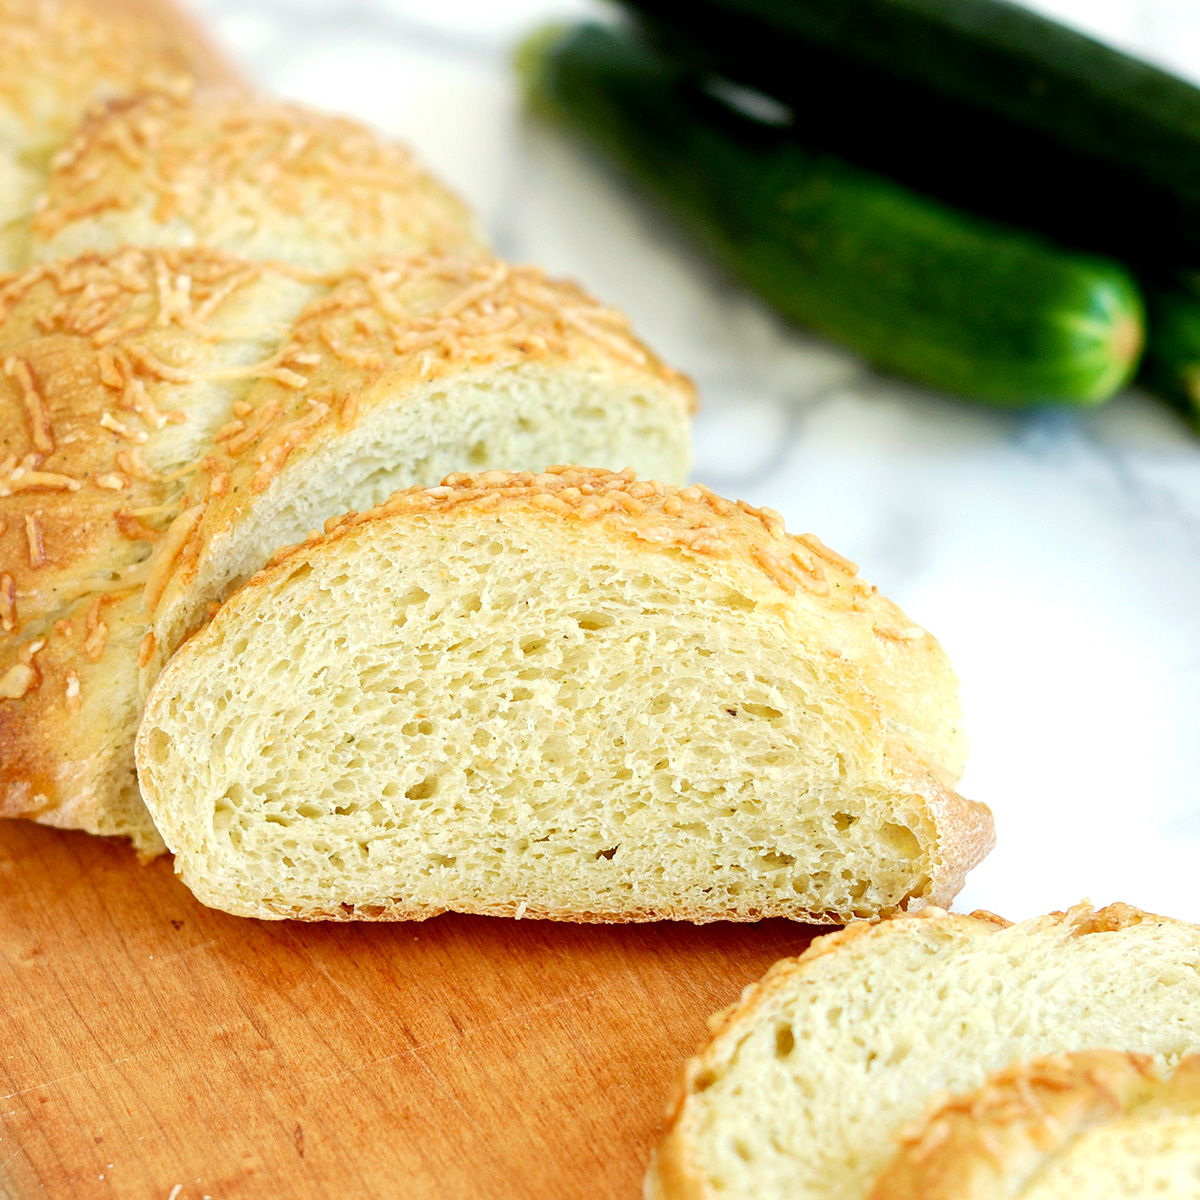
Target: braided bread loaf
point(170, 417)
point(171, 414)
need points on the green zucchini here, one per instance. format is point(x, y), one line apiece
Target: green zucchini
point(1171, 367)
point(979, 102)
point(918, 288)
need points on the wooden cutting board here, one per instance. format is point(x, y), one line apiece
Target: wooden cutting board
point(150, 1047)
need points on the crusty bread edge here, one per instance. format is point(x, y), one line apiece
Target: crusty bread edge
point(976, 1144)
point(966, 831)
point(514, 911)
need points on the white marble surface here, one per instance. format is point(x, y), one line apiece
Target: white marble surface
point(1055, 554)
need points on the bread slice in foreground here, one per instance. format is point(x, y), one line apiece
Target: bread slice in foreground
point(1095, 1123)
point(569, 695)
point(808, 1081)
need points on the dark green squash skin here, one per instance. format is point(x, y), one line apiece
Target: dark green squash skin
point(944, 298)
point(1171, 367)
point(979, 102)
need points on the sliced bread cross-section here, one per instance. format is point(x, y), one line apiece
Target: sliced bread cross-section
point(573, 695)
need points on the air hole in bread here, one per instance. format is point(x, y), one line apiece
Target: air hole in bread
point(785, 1040)
point(423, 790)
point(590, 622)
point(775, 861)
point(901, 839)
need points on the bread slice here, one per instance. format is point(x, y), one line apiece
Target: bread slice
point(569, 695)
point(168, 418)
point(1095, 1123)
point(259, 178)
point(808, 1080)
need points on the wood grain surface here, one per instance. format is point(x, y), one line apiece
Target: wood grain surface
point(155, 1048)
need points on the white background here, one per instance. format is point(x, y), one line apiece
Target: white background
point(1055, 554)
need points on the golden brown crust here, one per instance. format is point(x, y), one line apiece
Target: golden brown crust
point(983, 1145)
point(266, 179)
point(693, 520)
point(966, 833)
point(1111, 919)
point(201, 58)
point(64, 746)
point(510, 911)
point(85, 349)
point(982, 914)
point(91, 355)
point(109, 54)
point(1181, 1092)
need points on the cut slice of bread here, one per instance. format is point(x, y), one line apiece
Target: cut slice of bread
point(255, 177)
point(809, 1080)
point(570, 695)
point(168, 418)
point(1095, 1123)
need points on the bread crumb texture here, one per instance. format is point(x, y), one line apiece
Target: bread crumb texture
point(172, 416)
point(258, 178)
point(573, 694)
point(943, 1055)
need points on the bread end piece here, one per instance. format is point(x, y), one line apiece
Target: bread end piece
point(262, 179)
